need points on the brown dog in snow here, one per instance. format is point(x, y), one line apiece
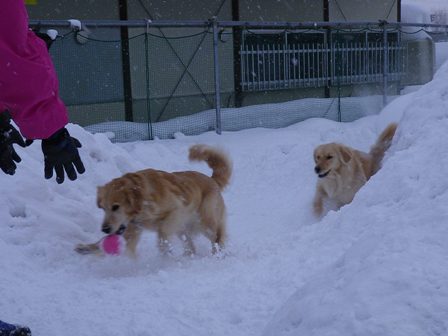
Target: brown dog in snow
point(180, 203)
point(342, 170)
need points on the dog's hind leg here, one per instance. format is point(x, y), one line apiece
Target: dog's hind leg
point(212, 216)
point(218, 243)
point(215, 231)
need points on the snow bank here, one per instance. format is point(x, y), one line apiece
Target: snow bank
point(389, 276)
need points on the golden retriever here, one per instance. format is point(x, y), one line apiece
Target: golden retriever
point(342, 170)
point(178, 204)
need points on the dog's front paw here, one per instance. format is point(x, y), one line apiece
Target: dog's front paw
point(88, 249)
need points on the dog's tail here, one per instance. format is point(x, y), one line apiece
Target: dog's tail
point(381, 146)
point(217, 160)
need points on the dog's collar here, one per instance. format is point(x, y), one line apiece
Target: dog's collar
point(323, 175)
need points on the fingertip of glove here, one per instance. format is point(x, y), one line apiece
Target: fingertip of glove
point(77, 143)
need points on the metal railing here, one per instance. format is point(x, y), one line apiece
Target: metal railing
point(273, 67)
point(365, 63)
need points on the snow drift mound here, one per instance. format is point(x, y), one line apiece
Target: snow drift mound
point(391, 274)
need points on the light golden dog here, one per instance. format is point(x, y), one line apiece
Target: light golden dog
point(178, 204)
point(342, 170)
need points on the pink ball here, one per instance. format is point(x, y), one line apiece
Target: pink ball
point(112, 244)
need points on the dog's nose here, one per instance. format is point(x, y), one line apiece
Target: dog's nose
point(317, 169)
point(106, 228)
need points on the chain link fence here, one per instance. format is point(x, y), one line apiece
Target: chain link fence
point(139, 80)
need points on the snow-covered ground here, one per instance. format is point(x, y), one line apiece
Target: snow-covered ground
point(379, 266)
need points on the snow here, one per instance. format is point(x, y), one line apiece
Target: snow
point(75, 24)
point(378, 266)
point(52, 33)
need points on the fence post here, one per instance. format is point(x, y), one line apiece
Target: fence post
point(148, 93)
point(126, 63)
point(217, 77)
point(237, 41)
point(339, 74)
point(385, 63)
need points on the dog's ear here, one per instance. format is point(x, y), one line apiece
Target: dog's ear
point(99, 197)
point(346, 155)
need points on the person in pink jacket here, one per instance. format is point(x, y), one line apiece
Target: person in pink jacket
point(29, 93)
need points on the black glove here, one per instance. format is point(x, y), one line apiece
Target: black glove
point(61, 153)
point(9, 136)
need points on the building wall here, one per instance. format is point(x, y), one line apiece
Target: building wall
point(180, 77)
point(74, 9)
point(363, 10)
point(285, 10)
point(180, 10)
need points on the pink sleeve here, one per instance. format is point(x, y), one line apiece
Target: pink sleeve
point(28, 80)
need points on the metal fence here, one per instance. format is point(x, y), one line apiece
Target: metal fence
point(273, 67)
point(138, 80)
